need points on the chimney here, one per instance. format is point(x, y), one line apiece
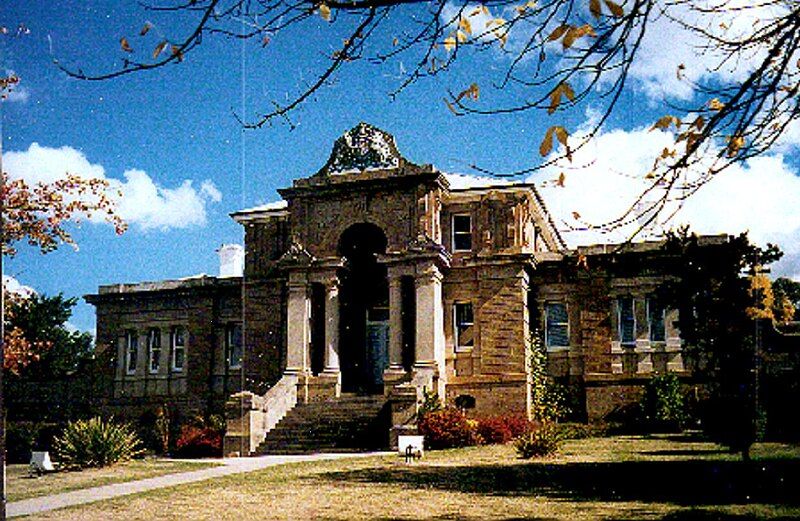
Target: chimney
point(231, 260)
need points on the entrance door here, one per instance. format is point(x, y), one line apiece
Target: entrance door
point(377, 346)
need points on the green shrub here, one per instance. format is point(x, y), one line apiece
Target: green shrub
point(539, 442)
point(430, 403)
point(663, 405)
point(96, 443)
point(447, 428)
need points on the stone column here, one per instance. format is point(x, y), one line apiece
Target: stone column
point(332, 326)
point(298, 331)
point(395, 324)
point(429, 360)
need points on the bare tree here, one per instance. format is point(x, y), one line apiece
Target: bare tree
point(562, 56)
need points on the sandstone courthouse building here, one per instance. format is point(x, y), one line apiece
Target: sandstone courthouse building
point(374, 279)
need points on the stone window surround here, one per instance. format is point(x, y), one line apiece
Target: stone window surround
point(229, 330)
point(619, 329)
point(453, 232)
point(456, 343)
point(173, 348)
point(136, 333)
point(153, 345)
point(554, 349)
point(131, 344)
point(648, 300)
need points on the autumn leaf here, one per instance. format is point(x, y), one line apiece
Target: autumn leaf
point(563, 89)
point(473, 92)
point(145, 28)
point(735, 143)
point(461, 36)
point(464, 24)
point(449, 43)
point(176, 51)
point(665, 122)
point(159, 49)
point(558, 32)
point(576, 216)
point(615, 9)
point(325, 12)
point(595, 8)
point(547, 144)
point(123, 42)
point(561, 180)
point(716, 104)
point(451, 107)
point(679, 71)
point(395, 41)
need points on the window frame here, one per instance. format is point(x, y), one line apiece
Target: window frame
point(456, 335)
point(174, 348)
point(454, 233)
point(663, 339)
point(153, 344)
point(229, 329)
point(566, 324)
point(131, 346)
point(620, 331)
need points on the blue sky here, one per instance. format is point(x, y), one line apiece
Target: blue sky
point(165, 127)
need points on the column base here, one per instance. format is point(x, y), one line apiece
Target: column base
point(324, 386)
point(392, 377)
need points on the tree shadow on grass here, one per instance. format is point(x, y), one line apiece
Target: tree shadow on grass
point(687, 483)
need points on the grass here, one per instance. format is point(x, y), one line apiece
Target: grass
point(620, 477)
point(21, 486)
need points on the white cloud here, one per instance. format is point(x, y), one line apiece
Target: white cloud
point(668, 44)
point(761, 196)
point(12, 285)
point(462, 181)
point(144, 202)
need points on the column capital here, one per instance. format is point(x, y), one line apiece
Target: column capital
point(428, 275)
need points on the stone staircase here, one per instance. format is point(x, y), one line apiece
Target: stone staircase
point(351, 423)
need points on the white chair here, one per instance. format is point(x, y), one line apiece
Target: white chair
point(412, 447)
point(40, 463)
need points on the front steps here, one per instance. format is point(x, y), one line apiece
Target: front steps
point(351, 423)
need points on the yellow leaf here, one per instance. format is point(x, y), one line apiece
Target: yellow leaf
point(547, 143)
point(561, 89)
point(595, 8)
point(558, 32)
point(123, 42)
point(159, 48)
point(464, 24)
point(451, 107)
point(461, 36)
point(569, 38)
point(145, 28)
point(650, 175)
point(325, 12)
point(449, 43)
point(664, 122)
point(561, 134)
point(735, 143)
point(615, 9)
point(716, 104)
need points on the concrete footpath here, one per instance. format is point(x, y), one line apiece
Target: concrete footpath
point(228, 466)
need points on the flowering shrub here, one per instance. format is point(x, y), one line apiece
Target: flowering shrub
point(198, 442)
point(542, 441)
point(502, 429)
point(446, 428)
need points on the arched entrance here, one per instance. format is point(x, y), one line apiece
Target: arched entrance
point(364, 309)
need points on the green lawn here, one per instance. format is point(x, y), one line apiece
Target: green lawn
point(620, 477)
point(21, 486)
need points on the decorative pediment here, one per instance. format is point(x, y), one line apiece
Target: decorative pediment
point(296, 254)
point(363, 147)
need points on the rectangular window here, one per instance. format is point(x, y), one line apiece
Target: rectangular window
point(233, 345)
point(178, 344)
point(464, 326)
point(655, 320)
point(462, 232)
point(627, 321)
point(557, 325)
point(154, 350)
point(131, 351)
